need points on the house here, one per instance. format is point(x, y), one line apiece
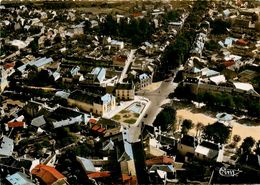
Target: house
point(39, 64)
point(19, 178)
point(70, 74)
point(159, 160)
point(229, 41)
point(86, 164)
point(125, 91)
point(90, 102)
point(144, 80)
point(96, 76)
point(207, 73)
point(194, 72)
point(62, 116)
point(77, 29)
point(38, 121)
point(207, 150)
point(187, 145)
point(119, 60)
point(32, 108)
point(218, 79)
point(117, 44)
point(6, 146)
point(15, 124)
point(198, 44)
point(49, 175)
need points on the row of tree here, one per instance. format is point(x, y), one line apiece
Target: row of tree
point(220, 101)
point(177, 52)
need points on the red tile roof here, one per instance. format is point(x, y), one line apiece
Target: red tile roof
point(95, 127)
point(137, 14)
point(16, 124)
point(91, 120)
point(96, 175)
point(159, 160)
point(241, 42)
point(128, 178)
point(9, 65)
point(120, 58)
point(228, 63)
point(47, 174)
point(101, 130)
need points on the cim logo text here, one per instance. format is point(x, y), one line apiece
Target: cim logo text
point(228, 172)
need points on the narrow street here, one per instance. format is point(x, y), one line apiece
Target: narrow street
point(129, 60)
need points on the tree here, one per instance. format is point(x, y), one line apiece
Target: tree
point(186, 126)
point(220, 27)
point(87, 26)
point(34, 45)
point(47, 43)
point(216, 132)
point(236, 138)
point(171, 16)
point(165, 118)
point(212, 45)
point(257, 148)
point(247, 145)
point(199, 128)
point(57, 39)
point(196, 171)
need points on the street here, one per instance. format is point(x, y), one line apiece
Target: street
point(157, 97)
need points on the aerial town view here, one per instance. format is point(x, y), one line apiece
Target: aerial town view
point(102, 92)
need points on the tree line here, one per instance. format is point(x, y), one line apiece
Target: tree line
point(220, 101)
point(136, 30)
point(177, 52)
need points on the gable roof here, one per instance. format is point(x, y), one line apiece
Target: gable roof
point(86, 164)
point(207, 149)
point(97, 175)
point(91, 98)
point(38, 121)
point(16, 124)
point(243, 86)
point(19, 178)
point(7, 146)
point(47, 174)
point(38, 63)
point(99, 73)
point(218, 79)
point(159, 160)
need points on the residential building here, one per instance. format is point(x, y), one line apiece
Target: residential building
point(19, 178)
point(125, 91)
point(90, 102)
point(49, 175)
point(6, 146)
point(96, 76)
point(117, 44)
point(207, 150)
point(62, 116)
point(144, 80)
point(187, 145)
point(119, 60)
